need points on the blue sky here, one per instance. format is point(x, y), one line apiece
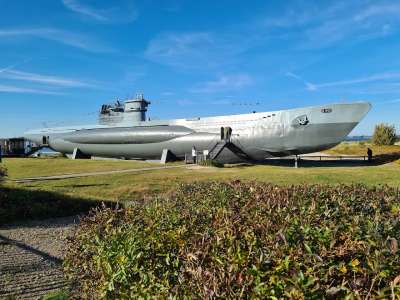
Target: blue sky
point(61, 59)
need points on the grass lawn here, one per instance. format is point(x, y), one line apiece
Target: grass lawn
point(130, 186)
point(32, 167)
point(360, 148)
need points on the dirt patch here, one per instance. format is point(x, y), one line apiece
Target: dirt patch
point(31, 255)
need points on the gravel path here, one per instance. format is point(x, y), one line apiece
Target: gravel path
point(31, 256)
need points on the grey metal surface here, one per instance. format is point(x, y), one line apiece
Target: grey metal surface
point(259, 135)
point(129, 135)
point(132, 111)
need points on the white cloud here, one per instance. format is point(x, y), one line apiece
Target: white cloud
point(317, 25)
point(383, 9)
point(185, 102)
point(181, 49)
point(46, 79)
point(123, 12)
point(386, 102)
point(222, 102)
point(390, 101)
point(304, 14)
point(61, 36)
point(78, 7)
point(310, 25)
point(167, 93)
point(172, 6)
point(23, 90)
point(10, 67)
point(310, 86)
point(224, 83)
point(362, 23)
point(195, 50)
point(366, 79)
point(291, 18)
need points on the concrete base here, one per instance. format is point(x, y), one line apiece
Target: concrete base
point(78, 154)
point(296, 162)
point(104, 158)
point(167, 156)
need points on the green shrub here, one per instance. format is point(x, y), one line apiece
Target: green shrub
point(242, 240)
point(384, 134)
point(57, 295)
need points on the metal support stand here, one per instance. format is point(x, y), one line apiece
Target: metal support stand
point(167, 156)
point(78, 154)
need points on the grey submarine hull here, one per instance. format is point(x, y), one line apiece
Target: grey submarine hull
point(259, 135)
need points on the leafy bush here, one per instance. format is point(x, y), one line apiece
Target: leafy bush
point(242, 240)
point(384, 134)
point(57, 295)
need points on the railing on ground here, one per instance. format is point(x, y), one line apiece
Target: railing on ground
point(189, 159)
point(335, 157)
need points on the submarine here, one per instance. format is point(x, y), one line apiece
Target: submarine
point(123, 131)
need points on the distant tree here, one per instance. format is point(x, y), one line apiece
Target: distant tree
point(384, 134)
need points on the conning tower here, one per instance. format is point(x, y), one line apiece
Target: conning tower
point(137, 108)
point(124, 113)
